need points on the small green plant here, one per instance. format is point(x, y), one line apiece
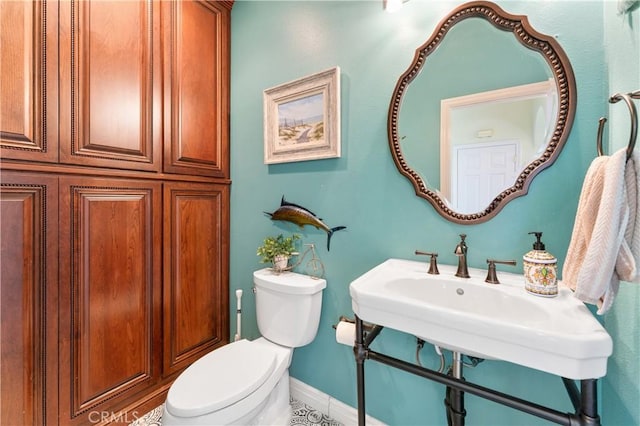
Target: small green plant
point(275, 246)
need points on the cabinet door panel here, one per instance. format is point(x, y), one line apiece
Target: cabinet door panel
point(28, 298)
point(196, 89)
point(107, 84)
point(195, 272)
point(111, 293)
point(28, 89)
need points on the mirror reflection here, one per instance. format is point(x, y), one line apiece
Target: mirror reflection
point(487, 139)
point(486, 104)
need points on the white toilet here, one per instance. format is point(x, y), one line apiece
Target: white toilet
point(247, 382)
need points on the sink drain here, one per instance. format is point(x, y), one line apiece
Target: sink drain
point(460, 291)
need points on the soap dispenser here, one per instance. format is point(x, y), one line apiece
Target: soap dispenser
point(540, 270)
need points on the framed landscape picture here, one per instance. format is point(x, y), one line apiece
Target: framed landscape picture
point(302, 119)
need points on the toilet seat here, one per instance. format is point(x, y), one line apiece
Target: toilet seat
point(208, 381)
point(221, 378)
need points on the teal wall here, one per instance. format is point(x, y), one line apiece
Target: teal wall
point(276, 42)
point(621, 389)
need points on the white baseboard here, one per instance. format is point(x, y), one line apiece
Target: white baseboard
point(337, 410)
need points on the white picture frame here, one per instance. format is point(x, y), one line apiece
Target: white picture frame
point(302, 119)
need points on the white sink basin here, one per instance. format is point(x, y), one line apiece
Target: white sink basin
point(558, 335)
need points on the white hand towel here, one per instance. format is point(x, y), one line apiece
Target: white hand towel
point(628, 262)
point(597, 283)
point(605, 243)
point(588, 205)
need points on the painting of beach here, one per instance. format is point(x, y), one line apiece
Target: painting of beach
point(301, 121)
point(302, 118)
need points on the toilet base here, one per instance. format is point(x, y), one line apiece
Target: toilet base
point(277, 410)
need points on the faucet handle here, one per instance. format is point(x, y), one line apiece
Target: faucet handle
point(433, 263)
point(492, 276)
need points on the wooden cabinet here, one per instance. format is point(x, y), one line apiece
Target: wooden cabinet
point(196, 87)
point(28, 81)
point(115, 203)
point(28, 298)
point(196, 233)
point(134, 77)
point(110, 78)
point(110, 292)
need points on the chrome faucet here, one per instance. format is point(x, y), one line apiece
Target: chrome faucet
point(461, 252)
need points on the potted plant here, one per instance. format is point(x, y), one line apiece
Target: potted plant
point(278, 250)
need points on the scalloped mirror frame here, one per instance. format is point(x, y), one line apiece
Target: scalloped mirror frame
point(564, 78)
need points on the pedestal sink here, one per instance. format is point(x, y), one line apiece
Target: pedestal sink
point(557, 335)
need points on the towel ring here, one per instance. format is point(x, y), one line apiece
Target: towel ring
point(601, 124)
point(626, 97)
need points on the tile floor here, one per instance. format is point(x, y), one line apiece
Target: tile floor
point(303, 415)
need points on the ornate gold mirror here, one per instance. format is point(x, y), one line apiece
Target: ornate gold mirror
point(486, 104)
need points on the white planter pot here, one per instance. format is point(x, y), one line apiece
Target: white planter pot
point(280, 262)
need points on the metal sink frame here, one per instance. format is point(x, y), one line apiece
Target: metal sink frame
point(584, 400)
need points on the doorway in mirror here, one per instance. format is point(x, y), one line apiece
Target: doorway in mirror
point(479, 171)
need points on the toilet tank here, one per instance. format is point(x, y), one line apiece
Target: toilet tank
point(288, 306)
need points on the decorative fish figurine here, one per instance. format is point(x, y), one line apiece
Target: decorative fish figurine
point(301, 216)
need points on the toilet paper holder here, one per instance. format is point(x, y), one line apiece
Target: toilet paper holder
point(366, 326)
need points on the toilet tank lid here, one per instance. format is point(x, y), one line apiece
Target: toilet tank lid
point(221, 378)
point(288, 282)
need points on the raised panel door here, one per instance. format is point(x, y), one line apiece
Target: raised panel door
point(196, 275)
point(28, 80)
point(196, 87)
point(28, 299)
point(110, 84)
point(110, 294)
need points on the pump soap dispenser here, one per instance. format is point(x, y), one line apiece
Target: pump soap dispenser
point(540, 270)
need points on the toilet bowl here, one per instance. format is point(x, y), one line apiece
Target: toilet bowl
point(247, 382)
